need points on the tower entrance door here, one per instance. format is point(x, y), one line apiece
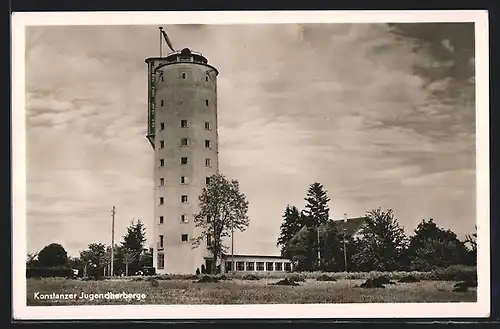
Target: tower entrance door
point(208, 265)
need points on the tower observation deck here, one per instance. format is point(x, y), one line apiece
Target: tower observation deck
point(182, 130)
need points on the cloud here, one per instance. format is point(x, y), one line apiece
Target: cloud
point(379, 118)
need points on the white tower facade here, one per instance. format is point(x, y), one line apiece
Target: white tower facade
point(182, 129)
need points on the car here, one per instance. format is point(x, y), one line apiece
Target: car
point(147, 270)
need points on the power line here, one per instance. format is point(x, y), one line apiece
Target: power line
point(82, 213)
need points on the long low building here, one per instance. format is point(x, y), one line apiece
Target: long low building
point(253, 263)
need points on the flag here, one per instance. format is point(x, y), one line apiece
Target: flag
point(165, 36)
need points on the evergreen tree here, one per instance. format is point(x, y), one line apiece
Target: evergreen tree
point(316, 210)
point(133, 242)
point(316, 213)
point(292, 223)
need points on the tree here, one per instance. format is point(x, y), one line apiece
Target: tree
point(332, 258)
point(292, 223)
point(431, 247)
point(470, 244)
point(129, 256)
point(316, 213)
point(300, 249)
point(53, 255)
point(223, 209)
point(31, 259)
point(316, 210)
point(146, 259)
point(134, 240)
point(381, 244)
point(93, 257)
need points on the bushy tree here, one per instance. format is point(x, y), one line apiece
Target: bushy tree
point(331, 247)
point(292, 223)
point(129, 257)
point(32, 260)
point(223, 209)
point(53, 255)
point(300, 249)
point(433, 247)
point(381, 244)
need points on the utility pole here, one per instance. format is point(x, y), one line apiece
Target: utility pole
point(232, 247)
point(345, 250)
point(112, 240)
point(319, 251)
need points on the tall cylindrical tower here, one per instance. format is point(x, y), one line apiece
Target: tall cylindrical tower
point(182, 129)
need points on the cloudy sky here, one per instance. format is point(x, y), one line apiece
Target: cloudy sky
point(382, 115)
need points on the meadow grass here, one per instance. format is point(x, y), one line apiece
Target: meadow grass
point(237, 291)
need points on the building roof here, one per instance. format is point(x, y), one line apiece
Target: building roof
point(351, 225)
point(254, 256)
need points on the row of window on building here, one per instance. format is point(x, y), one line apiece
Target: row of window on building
point(183, 74)
point(185, 124)
point(184, 180)
point(244, 266)
point(163, 103)
point(184, 161)
point(185, 142)
point(184, 238)
point(260, 266)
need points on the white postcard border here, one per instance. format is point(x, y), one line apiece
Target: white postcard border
point(386, 310)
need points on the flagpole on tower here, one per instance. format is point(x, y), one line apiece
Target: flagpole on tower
point(161, 44)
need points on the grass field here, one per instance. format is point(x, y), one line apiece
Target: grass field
point(237, 291)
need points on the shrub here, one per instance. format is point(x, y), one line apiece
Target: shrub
point(48, 272)
point(455, 273)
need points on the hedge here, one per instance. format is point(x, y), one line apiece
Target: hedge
point(47, 272)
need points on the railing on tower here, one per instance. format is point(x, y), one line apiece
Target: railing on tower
point(151, 103)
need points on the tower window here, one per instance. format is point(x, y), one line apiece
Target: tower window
point(162, 162)
point(161, 261)
point(160, 242)
point(162, 78)
point(206, 102)
point(184, 180)
point(206, 78)
point(184, 160)
point(184, 123)
point(184, 198)
point(207, 143)
point(207, 180)
point(162, 125)
point(184, 219)
point(161, 102)
point(209, 240)
point(208, 162)
point(162, 200)
point(183, 75)
point(162, 181)
point(184, 141)
point(161, 219)
point(162, 144)
point(207, 125)
point(184, 237)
